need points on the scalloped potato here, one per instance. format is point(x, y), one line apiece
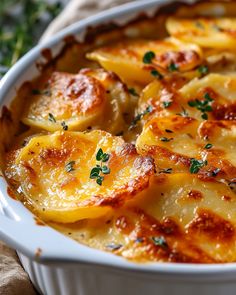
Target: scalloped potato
point(173, 141)
point(179, 219)
point(131, 149)
point(126, 57)
point(79, 101)
point(204, 31)
point(53, 172)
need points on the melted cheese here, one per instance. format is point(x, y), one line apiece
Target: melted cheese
point(41, 171)
point(126, 58)
point(174, 140)
point(206, 32)
point(221, 89)
point(150, 206)
point(196, 220)
point(91, 98)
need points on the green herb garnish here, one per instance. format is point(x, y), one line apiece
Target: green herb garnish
point(139, 240)
point(208, 146)
point(215, 172)
point(184, 113)
point(167, 104)
point(202, 105)
point(100, 168)
point(166, 171)
point(51, 118)
point(133, 92)
point(70, 166)
point(203, 70)
point(64, 126)
point(160, 241)
point(140, 116)
point(148, 57)
point(113, 246)
point(156, 74)
point(196, 165)
point(173, 67)
point(165, 139)
point(46, 92)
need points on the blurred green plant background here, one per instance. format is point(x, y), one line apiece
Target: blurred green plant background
point(21, 24)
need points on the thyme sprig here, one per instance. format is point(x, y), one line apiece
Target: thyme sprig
point(95, 173)
point(70, 166)
point(196, 165)
point(140, 116)
point(203, 106)
point(17, 30)
point(160, 241)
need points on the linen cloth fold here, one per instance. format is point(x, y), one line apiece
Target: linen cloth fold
point(13, 279)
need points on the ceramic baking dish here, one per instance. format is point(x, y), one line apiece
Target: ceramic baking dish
point(58, 265)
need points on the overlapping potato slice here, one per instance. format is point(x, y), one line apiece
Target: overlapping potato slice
point(78, 100)
point(126, 58)
point(222, 90)
point(220, 60)
point(204, 31)
point(178, 219)
point(90, 98)
point(53, 173)
point(119, 104)
point(173, 141)
point(216, 91)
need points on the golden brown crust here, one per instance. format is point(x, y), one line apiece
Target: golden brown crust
point(174, 109)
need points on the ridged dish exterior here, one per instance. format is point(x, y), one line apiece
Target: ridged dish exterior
point(86, 280)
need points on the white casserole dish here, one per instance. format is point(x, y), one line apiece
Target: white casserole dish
point(58, 265)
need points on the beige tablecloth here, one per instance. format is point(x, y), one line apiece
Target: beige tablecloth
point(13, 279)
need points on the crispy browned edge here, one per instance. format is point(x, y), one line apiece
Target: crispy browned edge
point(9, 121)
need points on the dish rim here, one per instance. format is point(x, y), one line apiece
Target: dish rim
point(15, 217)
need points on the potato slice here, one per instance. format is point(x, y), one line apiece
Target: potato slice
point(91, 98)
point(53, 172)
point(165, 100)
point(177, 219)
point(206, 32)
point(76, 100)
point(126, 58)
point(221, 88)
point(173, 141)
point(119, 101)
